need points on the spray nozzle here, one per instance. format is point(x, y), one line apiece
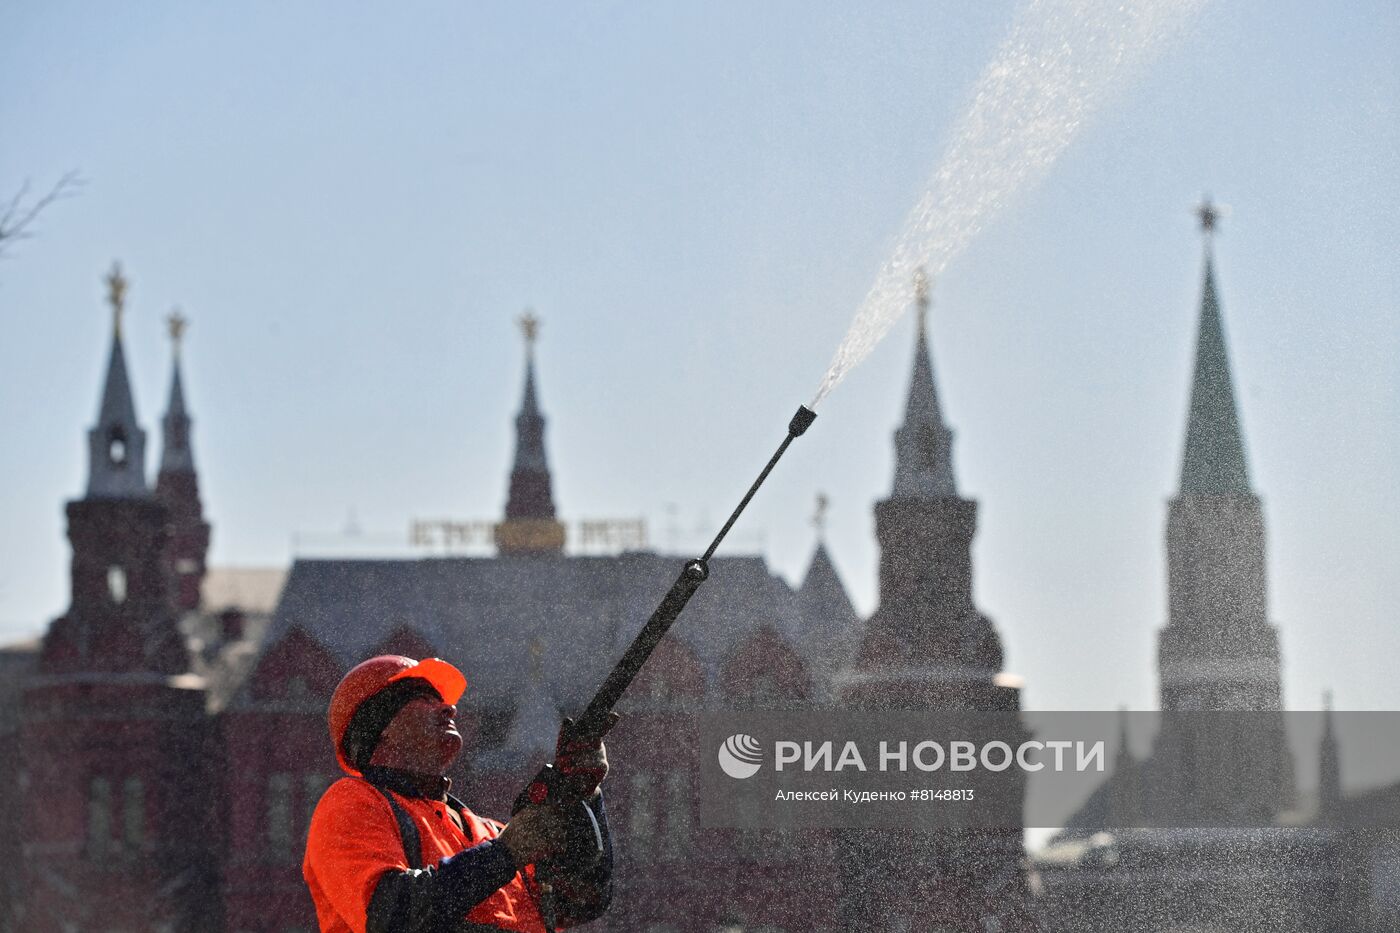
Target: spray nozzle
point(801, 421)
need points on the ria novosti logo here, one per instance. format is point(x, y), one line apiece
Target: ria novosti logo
point(740, 756)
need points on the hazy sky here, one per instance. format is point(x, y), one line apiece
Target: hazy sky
point(352, 205)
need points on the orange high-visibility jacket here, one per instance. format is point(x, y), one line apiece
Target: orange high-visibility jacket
point(355, 847)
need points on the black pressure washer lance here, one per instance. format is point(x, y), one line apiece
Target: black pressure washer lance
point(551, 788)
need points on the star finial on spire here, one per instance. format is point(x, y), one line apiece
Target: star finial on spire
point(116, 295)
point(1209, 215)
point(530, 327)
point(177, 324)
point(819, 516)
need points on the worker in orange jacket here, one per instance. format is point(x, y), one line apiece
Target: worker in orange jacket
point(389, 849)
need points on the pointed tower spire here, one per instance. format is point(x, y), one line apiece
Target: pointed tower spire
point(1125, 789)
point(177, 486)
point(530, 493)
point(1329, 784)
point(923, 444)
point(119, 619)
point(1213, 462)
point(1124, 760)
point(822, 597)
point(530, 525)
point(177, 455)
point(927, 646)
point(1218, 650)
point(116, 444)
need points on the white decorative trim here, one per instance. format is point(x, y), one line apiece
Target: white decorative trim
point(1215, 670)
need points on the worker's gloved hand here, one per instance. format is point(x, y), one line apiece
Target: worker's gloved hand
point(534, 834)
point(584, 763)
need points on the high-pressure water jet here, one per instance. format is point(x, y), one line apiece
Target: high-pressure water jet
point(1062, 61)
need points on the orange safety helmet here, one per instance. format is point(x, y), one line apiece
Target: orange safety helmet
point(369, 677)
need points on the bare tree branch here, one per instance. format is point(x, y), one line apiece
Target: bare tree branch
point(17, 218)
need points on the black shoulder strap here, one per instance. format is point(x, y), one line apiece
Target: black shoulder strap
point(408, 830)
point(413, 849)
point(460, 807)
